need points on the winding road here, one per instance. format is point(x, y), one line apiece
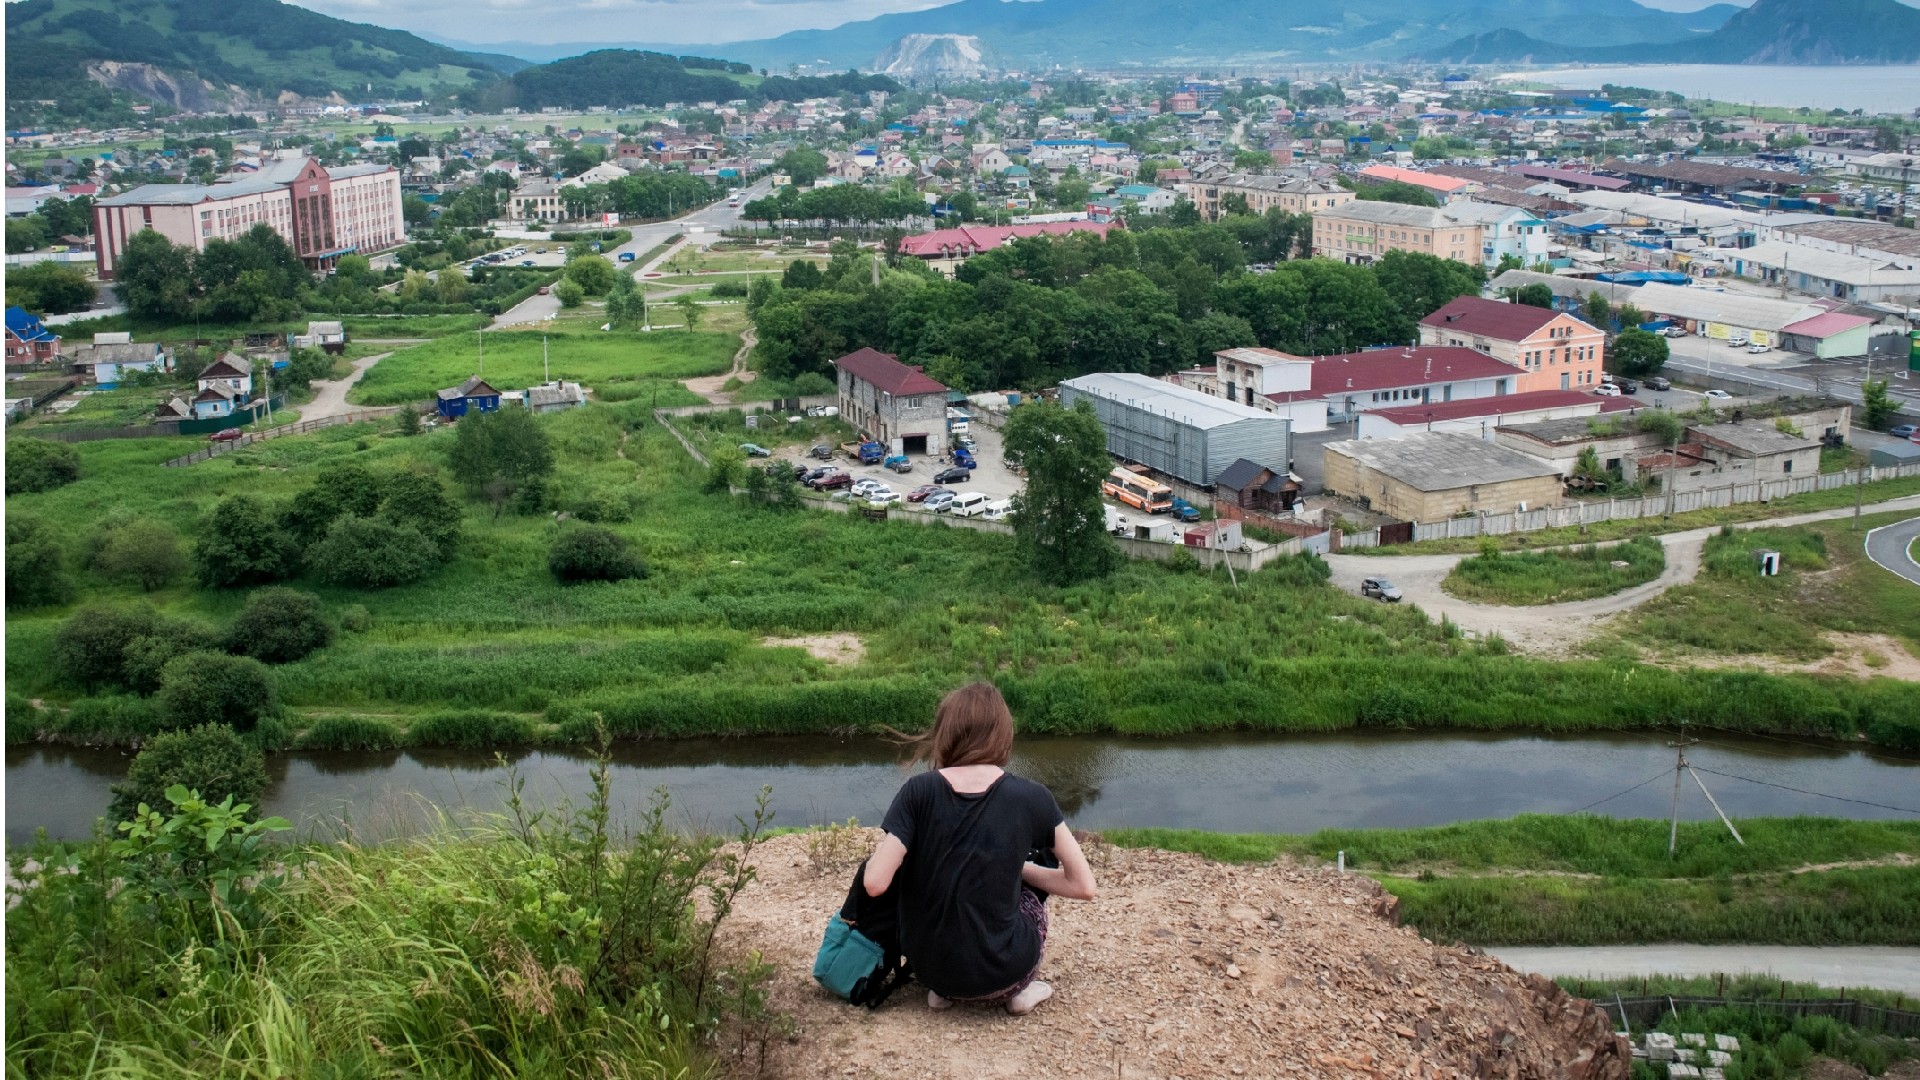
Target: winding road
point(1897, 970)
point(1555, 627)
point(1892, 547)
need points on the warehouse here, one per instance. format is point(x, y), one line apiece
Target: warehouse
point(1180, 432)
point(1432, 477)
point(1725, 315)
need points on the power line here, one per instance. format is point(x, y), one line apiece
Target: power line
point(1634, 788)
point(1804, 791)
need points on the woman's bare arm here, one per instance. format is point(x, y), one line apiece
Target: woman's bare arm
point(1074, 878)
point(883, 864)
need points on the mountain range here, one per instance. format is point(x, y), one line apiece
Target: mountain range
point(1806, 32)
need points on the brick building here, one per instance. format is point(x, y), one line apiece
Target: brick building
point(893, 403)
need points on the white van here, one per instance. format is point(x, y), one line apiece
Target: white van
point(968, 504)
point(999, 511)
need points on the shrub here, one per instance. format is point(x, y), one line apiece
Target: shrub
point(278, 626)
point(371, 553)
point(728, 289)
point(112, 719)
point(211, 759)
point(23, 720)
point(422, 502)
point(90, 648)
point(569, 293)
point(147, 656)
point(590, 553)
point(241, 544)
point(473, 729)
point(345, 489)
point(143, 551)
point(35, 465)
point(213, 688)
point(36, 564)
point(347, 732)
point(355, 618)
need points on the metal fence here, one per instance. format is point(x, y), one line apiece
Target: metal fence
point(1651, 506)
point(1642, 1013)
point(303, 427)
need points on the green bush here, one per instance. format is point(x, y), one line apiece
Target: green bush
point(90, 648)
point(142, 551)
point(36, 564)
point(728, 289)
point(473, 729)
point(241, 544)
point(36, 465)
point(372, 553)
point(110, 720)
point(591, 553)
point(278, 626)
point(211, 759)
point(349, 732)
point(213, 688)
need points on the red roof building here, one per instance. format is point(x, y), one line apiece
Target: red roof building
point(893, 403)
point(1554, 350)
point(946, 249)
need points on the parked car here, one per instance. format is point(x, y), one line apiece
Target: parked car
point(526, 262)
point(545, 290)
point(955, 475)
point(1607, 389)
point(923, 492)
point(898, 463)
point(884, 498)
point(626, 256)
point(1717, 395)
point(1379, 588)
point(821, 451)
point(1902, 431)
point(1739, 341)
point(1756, 348)
point(540, 250)
point(755, 450)
point(1659, 382)
point(869, 487)
point(1627, 386)
point(939, 501)
point(966, 442)
point(228, 435)
point(835, 479)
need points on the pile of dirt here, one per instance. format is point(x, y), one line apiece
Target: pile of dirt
point(1184, 968)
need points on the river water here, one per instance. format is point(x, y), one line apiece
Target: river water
point(1890, 89)
point(1233, 783)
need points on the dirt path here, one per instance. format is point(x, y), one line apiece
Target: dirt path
point(1554, 628)
point(1183, 968)
point(709, 386)
point(330, 396)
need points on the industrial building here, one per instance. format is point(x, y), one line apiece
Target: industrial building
point(1180, 432)
point(1432, 477)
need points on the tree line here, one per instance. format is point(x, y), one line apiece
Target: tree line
point(1152, 300)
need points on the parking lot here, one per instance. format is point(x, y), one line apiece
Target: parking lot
point(991, 476)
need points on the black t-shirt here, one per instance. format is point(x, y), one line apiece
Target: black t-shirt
point(960, 922)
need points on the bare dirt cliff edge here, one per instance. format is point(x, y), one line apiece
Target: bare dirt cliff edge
point(1183, 968)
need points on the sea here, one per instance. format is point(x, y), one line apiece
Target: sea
point(1891, 89)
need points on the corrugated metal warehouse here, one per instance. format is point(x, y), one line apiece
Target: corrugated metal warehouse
point(1177, 431)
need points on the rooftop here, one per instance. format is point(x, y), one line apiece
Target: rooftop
point(1386, 213)
point(1442, 461)
point(1446, 185)
point(1755, 437)
point(887, 373)
point(1733, 309)
point(977, 238)
point(1498, 406)
point(1491, 318)
point(1190, 407)
point(1384, 369)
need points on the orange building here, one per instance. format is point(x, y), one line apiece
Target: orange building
point(1554, 350)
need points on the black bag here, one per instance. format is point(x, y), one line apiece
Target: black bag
point(867, 928)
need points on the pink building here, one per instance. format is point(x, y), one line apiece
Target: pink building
point(323, 213)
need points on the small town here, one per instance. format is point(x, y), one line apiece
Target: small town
point(1426, 510)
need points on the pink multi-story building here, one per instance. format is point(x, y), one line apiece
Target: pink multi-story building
point(323, 213)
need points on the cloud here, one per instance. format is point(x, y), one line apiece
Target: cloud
point(665, 21)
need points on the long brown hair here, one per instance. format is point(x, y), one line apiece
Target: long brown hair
point(972, 726)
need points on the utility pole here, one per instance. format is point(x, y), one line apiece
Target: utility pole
point(1681, 765)
point(481, 338)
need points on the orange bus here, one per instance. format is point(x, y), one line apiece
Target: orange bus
point(1138, 491)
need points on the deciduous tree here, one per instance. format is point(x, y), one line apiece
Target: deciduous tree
point(1638, 353)
point(1058, 522)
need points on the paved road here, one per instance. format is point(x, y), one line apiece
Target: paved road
point(1897, 970)
point(1551, 627)
point(1892, 547)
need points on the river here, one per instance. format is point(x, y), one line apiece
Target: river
point(1890, 89)
point(1234, 783)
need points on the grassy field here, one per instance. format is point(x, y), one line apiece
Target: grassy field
point(374, 326)
point(1878, 491)
point(607, 363)
point(1827, 584)
point(1558, 576)
point(1153, 650)
point(1586, 880)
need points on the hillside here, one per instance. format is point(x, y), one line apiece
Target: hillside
point(193, 54)
point(626, 77)
point(1769, 32)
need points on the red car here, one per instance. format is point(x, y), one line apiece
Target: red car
point(920, 493)
point(229, 435)
point(833, 480)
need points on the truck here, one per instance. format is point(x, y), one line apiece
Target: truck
point(1117, 522)
point(957, 421)
point(866, 453)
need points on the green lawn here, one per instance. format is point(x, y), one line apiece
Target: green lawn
point(1558, 576)
point(512, 361)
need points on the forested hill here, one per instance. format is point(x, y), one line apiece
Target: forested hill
point(624, 77)
point(203, 53)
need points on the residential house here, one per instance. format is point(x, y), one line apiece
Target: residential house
point(106, 363)
point(555, 396)
point(1247, 485)
point(224, 386)
point(1505, 232)
point(328, 336)
point(474, 395)
point(1432, 476)
point(28, 339)
point(174, 408)
point(893, 403)
point(1552, 349)
point(1264, 193)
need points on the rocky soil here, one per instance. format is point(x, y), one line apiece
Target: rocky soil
point(1182, 969)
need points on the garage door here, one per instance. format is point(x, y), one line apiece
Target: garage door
point(913, 444)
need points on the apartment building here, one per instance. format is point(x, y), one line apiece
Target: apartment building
point(1554, 350)
point(1264, 193)
point(1360, 232)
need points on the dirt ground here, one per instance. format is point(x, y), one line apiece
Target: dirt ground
point(1851, 657)
point(1182, 969)
point(833, 648)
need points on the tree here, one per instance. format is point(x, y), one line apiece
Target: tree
point(278, 626)
point(1877, 405)
point(241, 544)
point(593, 273)
point(689, 311)
point(415, 210)
point(144, 551)
point(36, 564)
point(421, 502)
point(1422, 284)
point(372, 553)
point(214, 688)
point(1638, 353)
point(802, 274)
point(1058, 522)
point(626, 305)
point(1536, 295)
point(1597, 310)
point(24, 234)
point(450, 286)
point(592, 553)
point(803, 165)
point(36, 465)
point(210, 759)
point(1630, 317)
point(569, 293)
point(1397, 192)
point(49, 288)
point(506, 445)
point(346, 489)
point(1661, 422)
point(407, 421)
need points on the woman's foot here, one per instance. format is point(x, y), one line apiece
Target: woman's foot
point(1026, 1000)
point(935, 1001)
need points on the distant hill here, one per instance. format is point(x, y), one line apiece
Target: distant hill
point(1815, 32)
point(208, 53)
point(934, 56)
point(1707, 18)
point(626, 77)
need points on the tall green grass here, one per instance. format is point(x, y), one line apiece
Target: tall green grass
point(1558, 576)
point(513, 360)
